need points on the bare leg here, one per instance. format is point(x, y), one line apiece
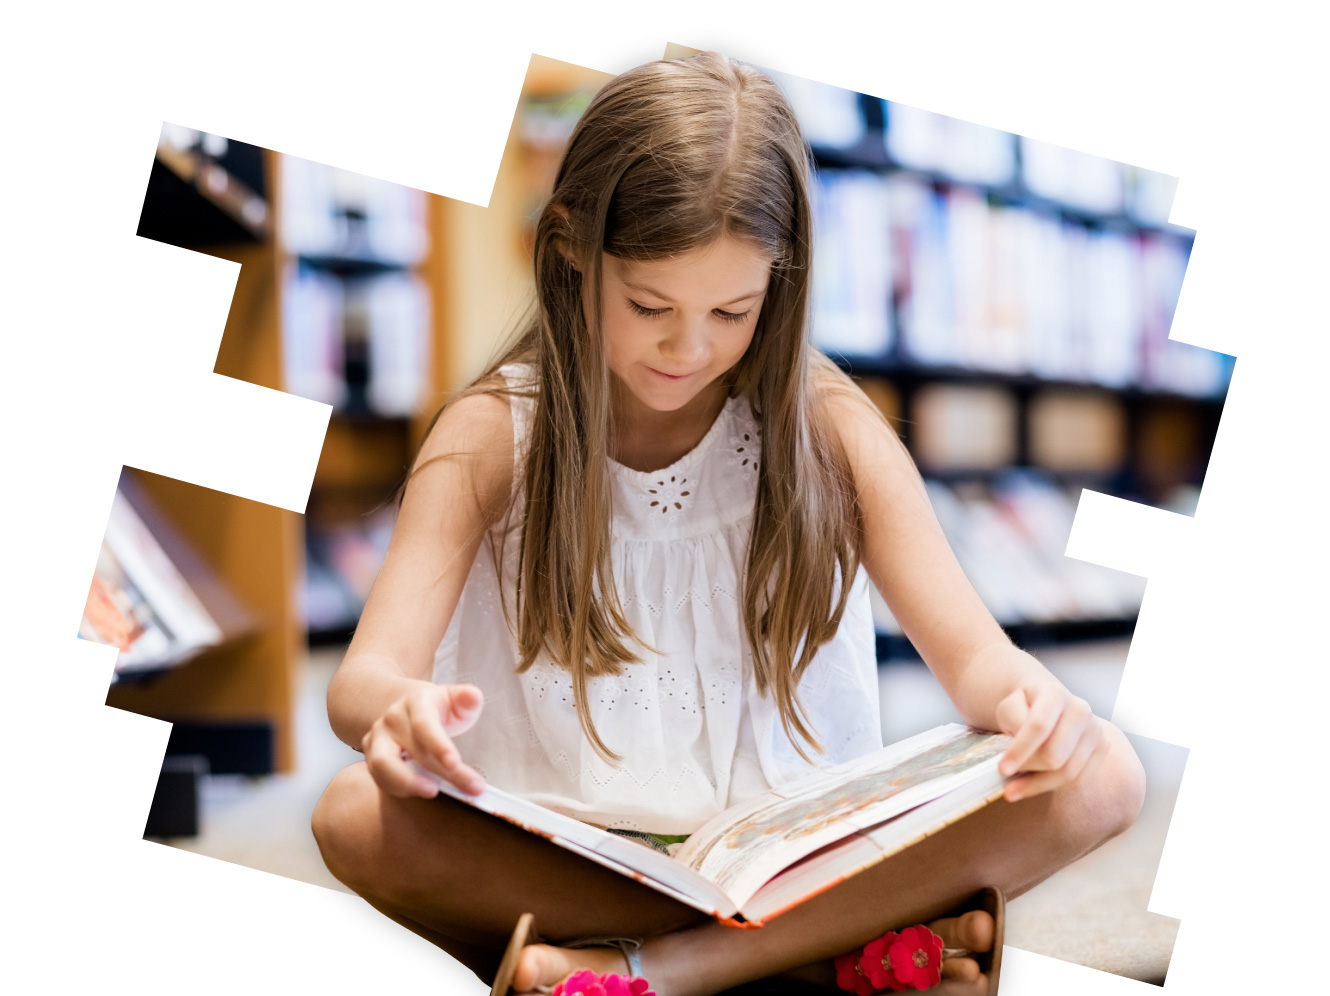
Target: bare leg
point(461, 878)
point(1011, 845)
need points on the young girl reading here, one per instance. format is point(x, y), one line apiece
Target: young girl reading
point(643, 539)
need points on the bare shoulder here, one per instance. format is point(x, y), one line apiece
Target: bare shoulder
point(865, 436)
point(470, 447)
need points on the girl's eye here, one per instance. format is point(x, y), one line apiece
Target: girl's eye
point(730, 316)
point(724, 316)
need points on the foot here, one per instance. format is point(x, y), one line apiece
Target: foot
point(960, 976)
point(974, 931)
point(543, 965)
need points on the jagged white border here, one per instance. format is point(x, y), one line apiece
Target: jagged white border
point(109, 340)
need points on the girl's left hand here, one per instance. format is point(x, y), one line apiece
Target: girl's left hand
point(1055, 736)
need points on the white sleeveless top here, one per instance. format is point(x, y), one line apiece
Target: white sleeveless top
point(695, 735)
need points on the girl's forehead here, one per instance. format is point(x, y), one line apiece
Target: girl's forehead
point(725, 266)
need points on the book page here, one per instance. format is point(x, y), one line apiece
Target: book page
point(862, 849)
point(743, 849)
point(628, 857)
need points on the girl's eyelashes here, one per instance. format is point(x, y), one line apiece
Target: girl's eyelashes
point(730, 316)
point(645, 312)
point(725, 316)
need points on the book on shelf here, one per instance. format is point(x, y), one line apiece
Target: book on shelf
point(967, 247)
point(997, 288)
point(764, 856)
point(960, 150)
point(330, 212)
point(1009, 537)
point(341, 562)
point(355, 319)
point(140, 601)
point(852, 277)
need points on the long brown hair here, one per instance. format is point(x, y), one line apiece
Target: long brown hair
point(668, 157)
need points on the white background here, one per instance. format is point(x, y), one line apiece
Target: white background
point(109, 342)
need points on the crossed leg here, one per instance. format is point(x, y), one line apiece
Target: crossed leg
point(461, 878)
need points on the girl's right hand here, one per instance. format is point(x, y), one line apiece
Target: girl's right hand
point(419, 727)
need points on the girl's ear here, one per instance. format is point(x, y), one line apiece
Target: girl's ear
point(561, 242)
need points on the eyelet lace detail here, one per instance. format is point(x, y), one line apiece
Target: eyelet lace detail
point(745, 447)
point(668, 493)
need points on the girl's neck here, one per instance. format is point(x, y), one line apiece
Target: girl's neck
point(646, 439)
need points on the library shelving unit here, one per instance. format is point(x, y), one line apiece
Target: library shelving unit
point(477, 271)
point(233, 702)
point(1004, 398)
point(364, 284)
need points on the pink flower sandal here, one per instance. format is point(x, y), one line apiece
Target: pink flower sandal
point(582, 983)
point(895, 962)
point(912, 959)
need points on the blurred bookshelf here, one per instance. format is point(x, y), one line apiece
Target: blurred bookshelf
point(395, 298)
point(358, 334)
point(192, 585)
point(1007, 303)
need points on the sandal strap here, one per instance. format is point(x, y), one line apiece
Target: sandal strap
point(629, 947)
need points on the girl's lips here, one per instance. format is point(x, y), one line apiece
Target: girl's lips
point(669, 376)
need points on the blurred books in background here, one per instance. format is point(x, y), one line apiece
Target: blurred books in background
point(139, 602)
point(994, 288)
point(341, 562)
point(1007, 304)
point(1009, 536)
point(151, 596)
point(356, 318)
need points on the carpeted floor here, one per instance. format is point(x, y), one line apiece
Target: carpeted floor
point(1092, 913)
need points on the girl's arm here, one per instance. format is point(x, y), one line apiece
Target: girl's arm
point(382, 699)
point(993, 684)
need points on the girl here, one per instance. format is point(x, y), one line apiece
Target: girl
point(630, 539)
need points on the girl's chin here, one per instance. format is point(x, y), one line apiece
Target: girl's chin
point(662, 394)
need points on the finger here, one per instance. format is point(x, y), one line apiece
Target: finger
point(434, 750)
point(1039, 782)
point(1042, 718)
point(383, 757)
point(461, 709)
point(1075, 723)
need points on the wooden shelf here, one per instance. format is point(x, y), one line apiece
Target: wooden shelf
point(360, 452)
point(254, 550)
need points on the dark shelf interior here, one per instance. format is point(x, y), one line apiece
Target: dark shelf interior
point(196, 200)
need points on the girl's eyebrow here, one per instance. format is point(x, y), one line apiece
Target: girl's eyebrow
point(659, 296)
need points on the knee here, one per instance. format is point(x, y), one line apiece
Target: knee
point(339, 824)
point(1118, 785)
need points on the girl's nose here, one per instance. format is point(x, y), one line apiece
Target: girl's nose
point(686, 345)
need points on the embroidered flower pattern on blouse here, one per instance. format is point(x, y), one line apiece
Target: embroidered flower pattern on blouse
point(745, 447)
point(667, 493)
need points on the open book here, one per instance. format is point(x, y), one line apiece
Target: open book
point(769, 854)
point(140, 601)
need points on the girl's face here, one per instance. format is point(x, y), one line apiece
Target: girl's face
point(673, 326)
